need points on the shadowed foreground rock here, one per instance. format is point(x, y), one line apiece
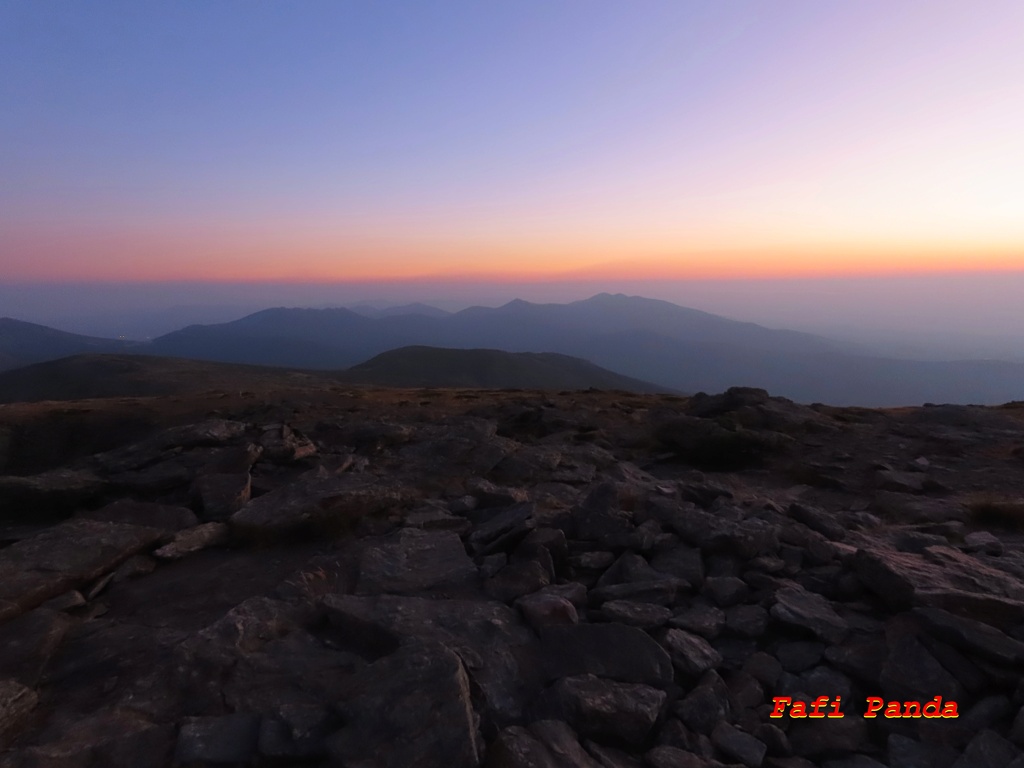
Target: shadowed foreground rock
point(454, 579)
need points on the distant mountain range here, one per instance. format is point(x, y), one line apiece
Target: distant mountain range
point(89, 376)
point(24, 343)
point(653, 341)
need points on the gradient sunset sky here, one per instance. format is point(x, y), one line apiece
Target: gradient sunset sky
point(327, 141)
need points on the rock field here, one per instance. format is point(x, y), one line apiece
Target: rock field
point(513, 579)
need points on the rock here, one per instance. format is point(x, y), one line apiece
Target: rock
point(296, 732)
point(987, 750)
point(691, 655)
point(827, 737)
point(706, 705)
point(817, 520)
point(223, 739)
point(413, 561)
point(1016, 733)
point(166, 517)
point(673, 757)
point(281, 445)
point(643, 615)
point(704, 620)
point(562, 744)
point(945, 578)
point(516, 580)
point(65, 557)
point(971, 635)
point(736, 744)
point(983, 542)
point(907, 753)
point(708, 445)
point(599, 517)
point(48, 495)
point(516, 747)
point(16, 705)
point(605, 710)
point(386, 722)
point(911, 673)
point(747, 620)
point(797, 606)
point(193, 540)
point(683, 562)
point(328, 505)
point(488, 636)
point(112, 738)
point(659, 592)
point(545, 610)
point(799, 655)
point(500, 530)
point(615, 651)
point(220, 495)
point(725, 591)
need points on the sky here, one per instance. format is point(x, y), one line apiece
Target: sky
point(505, 143)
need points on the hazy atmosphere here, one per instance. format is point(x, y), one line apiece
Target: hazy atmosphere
point(852, 170)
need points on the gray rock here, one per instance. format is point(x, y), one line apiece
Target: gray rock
point(562, 743)
point(984, 542)
point(605, 710)
point(945, 578)
point(904, 752)
point(683, 562)
point(691, 655)
point(911, 673)
point(599, 517)
point(221, 495)
point(706, 705)
point(388, 720)
point(971, 635)
point(660, 592)
point(725, 591)
point(48, 495)
point(614, 651)
point(223, 739)
point(65, 557)
point(517, 579)
point(673, 757)
point(797, 606)
point(987, 750)
point(327, 505)
point(147, 514)
point(704, 620)
point(544, 610)
point(737, 745)
point(412, 561)
point(644, 615)
point(16, 705)
point(488, 636)
point(193, 540)
point(828, 737)
point(747, 620)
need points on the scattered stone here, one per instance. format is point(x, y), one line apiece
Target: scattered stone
point(738, 745)
point(615, 651)
point(193, 540)
point(691, 655)
point(222, 739)
point(16, 705)
point(797, 606)
point(388, 720)
point(412, 560)
point(604, 710)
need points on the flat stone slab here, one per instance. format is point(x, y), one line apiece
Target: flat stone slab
point(615, 651)
point(390, 722)
point(942, 577)
point(65, 557)
point(326, 504)
point(415, 560)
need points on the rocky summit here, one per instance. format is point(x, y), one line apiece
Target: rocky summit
point(511, 579)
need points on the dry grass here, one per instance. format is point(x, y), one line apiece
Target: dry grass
point(991, 510)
